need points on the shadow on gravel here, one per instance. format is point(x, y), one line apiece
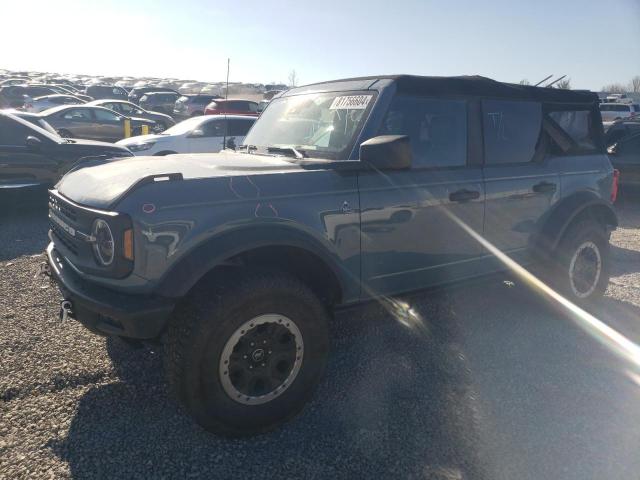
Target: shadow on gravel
point(23, 225)
point(393, 405)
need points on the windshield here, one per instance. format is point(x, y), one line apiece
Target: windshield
point(320, 124)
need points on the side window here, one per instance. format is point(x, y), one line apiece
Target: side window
point(253, 107)
point(105, 116)
point(214, 128)
point(238, 128)
point(437, 129)
point(12, 133)
point(577, 125)
point(511, 130)
point(78, 115)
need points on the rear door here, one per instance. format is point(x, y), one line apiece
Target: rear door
point(414, 222)
point(109, 126)
point(520, 185)
point(78, 121)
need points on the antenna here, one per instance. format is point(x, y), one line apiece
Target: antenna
point(543, 80)
point(226, 97)
point(554, 82)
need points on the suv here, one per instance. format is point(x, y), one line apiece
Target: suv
point(232, 107)
point(162, 102)
point(191, 105)
point(33, 155)
point(111, 92)
point(616, 111)
point(136, 93)
point(343, 192)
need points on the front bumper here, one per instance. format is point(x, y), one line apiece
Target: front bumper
point(105, 311)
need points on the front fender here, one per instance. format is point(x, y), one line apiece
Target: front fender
point(213, 252)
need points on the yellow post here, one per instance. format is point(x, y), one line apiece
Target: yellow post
point(145, 129)
point(127, 128)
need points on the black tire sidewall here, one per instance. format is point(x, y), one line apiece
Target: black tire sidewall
point(206, 397)
point(575, 236)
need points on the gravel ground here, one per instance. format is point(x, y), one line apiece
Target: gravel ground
point(498, 385)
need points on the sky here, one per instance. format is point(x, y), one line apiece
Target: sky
point(593, 42)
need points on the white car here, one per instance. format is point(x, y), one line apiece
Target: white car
point(616, 111)
point(40, 104)
point(203, 134)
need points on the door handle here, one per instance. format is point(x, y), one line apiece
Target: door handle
point(464, 195)
point(545, 187)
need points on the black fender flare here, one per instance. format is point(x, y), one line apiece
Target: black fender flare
point(554, 225)
point(200, 260)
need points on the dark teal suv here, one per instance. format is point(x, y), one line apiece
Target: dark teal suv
point(344, 192)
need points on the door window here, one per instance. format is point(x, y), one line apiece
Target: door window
point(214, 128)
point(576, 124)
point(437, 129)
point(511, 130)
point(238, 127)
point(78, 115)
point(106, 116)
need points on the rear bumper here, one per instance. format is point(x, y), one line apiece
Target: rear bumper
point(105, 311)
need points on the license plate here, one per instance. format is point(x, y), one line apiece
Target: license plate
point(65, 226)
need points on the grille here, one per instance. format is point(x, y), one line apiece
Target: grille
point(61, 236)
point(60, 207)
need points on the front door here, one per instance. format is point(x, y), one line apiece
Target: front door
point(520, 186)
point(211, 139)
point(415, 223)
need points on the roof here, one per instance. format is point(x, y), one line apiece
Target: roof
point(475, 85)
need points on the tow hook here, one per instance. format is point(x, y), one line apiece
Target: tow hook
point(66, 311)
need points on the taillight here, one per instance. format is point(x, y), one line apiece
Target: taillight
point(614, 185)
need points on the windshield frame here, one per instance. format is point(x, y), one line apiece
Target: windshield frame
point(342, 155)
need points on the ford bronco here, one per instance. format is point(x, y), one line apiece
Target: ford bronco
point(343, 192)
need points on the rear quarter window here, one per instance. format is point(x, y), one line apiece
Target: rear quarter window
point(577, 125)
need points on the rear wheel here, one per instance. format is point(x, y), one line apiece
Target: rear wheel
point(245, 355)
point(583, 262)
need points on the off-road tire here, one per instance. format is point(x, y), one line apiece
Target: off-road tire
point(208, 318)
point(593, 240)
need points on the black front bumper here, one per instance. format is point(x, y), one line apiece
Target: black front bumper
point(105, 311)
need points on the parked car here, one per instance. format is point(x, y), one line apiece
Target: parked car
point(232, 107)
point(107, 92)
point(137, 92)
point(39, 104)
point(14, 96)
point(345, 192)
point(616, 111)
point(34, 156)
point(159, 101)
point(191, 105)
point(621, 129)
point(194, 135)
point(33, 118)
point(92, 122)
point(625, 157)
point(128, 109)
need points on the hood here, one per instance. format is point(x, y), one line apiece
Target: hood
point(101, 185)
point(81, 142)
point(140, 139)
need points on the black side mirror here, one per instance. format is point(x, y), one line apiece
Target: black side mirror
point(387, 152)
point(33, 143)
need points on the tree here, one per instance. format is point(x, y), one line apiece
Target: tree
point(635, 84)
point(564, 84)
point(293, 78)
point(614, 88)
point(524, 81)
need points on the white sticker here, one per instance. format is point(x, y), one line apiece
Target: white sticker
point(350, 102)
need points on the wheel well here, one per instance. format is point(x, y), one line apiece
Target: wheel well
point(599, 213)
point(302, 264)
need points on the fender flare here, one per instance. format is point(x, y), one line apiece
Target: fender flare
point(555, 224)
point(213, 252)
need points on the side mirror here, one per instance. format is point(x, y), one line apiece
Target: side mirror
point(33, 143)
point(196, 133)
point(387, 152)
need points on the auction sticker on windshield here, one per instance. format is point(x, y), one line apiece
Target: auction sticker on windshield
point(350, 102)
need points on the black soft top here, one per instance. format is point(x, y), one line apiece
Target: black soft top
point(475, 85)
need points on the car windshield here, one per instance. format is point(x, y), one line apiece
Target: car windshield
point(321, 125)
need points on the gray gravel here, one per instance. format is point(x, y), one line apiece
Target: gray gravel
point(498, 385)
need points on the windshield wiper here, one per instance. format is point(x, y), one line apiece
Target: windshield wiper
point(248, 148)
point(297, 153)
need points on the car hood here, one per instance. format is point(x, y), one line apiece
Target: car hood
point(81, 142)
point(102, 185)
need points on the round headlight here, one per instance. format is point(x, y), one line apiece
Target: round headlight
point(103, 247)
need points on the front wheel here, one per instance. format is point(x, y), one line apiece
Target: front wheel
point(246, 355)
point(583, 262)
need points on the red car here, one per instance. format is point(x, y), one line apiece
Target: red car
point(232, 107)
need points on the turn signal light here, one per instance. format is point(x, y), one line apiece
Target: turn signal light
point(127, 249)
